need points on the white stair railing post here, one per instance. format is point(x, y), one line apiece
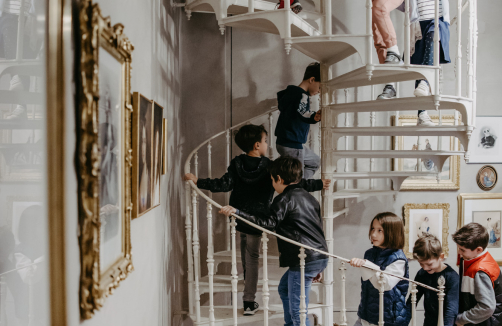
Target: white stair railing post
point(196, 213)
point(188, 232)
point(407, 26)
point(343, 312)
point(470, 59)
point(3, 298)
point(210, 261)
point(369, 38)
point(265, 289)
point(196, 256)
point(327, 19)
point(270, 133)
point(250, 6)
point(287, 25)
point(437, 92)
point(458, 63)
point(441, 294)
point(21, 22)
point(327, 169)
point(381, 291)
point(414, 304)
point(303, 304)
point(227, 194)
point(346, 167)
point(372, 141)
point(31, 302)
point(235, 277)
point(474, 59)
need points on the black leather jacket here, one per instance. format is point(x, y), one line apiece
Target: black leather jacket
point(252, 191)
point(294, 214)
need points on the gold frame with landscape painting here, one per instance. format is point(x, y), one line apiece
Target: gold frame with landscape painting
point(450, 175)
point(104, 156)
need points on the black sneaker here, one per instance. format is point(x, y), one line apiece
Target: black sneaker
point(250, 308)
point(393, 58)
point(388, 93)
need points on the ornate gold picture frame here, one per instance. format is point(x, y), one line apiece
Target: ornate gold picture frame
point(420, 219)
point(450, 176)
point(104, 156)
point(485, 209)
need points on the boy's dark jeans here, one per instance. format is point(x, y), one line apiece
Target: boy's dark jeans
point(290, 290)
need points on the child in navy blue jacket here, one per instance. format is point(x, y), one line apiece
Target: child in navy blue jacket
point(295, 119)
point(387, 236)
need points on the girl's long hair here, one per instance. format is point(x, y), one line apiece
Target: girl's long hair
point(393, 230)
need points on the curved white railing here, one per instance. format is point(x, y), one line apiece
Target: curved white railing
point(192, 233)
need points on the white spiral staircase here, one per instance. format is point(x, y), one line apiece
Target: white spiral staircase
point(310, 33)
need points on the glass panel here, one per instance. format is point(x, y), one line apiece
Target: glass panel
point(24, 295)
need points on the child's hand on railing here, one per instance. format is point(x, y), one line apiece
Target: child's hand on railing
point(325, 184)
point(317, 116)
point(318, 278)
point(357, 262)
point(227, 210)
point(190, 176)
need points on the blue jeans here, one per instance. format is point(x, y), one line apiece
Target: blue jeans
point(290, 290)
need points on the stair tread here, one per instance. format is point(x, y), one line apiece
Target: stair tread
point(355, 193)
point(228, 254)
point(401, 129)
point(379, 174)
point(262, 21)
point(382, 74)
point(328, 49)
point(235, 7)
point(394, 153)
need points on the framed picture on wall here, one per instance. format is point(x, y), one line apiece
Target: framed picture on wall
point(486, 144)
point(449, 176)
point(157, 153)
point(422, 219)
point(142, 131)
point(487, 178)
point(485, 209)
point(104, 153)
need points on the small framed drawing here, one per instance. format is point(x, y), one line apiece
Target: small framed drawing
point(165, 142)
point(486, 178)
point(142, 154)
point(421, 219)
point(157, 153)
point(449, 176)
point(485, 145)
point(485, 209)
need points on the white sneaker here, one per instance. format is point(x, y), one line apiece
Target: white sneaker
point(424, 120)
point(423, 89)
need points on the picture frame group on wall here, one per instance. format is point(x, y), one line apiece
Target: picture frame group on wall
point(104, 155)
point(485, 144)
point(485, 209)
point(148, 141)
point(450, 174)
point(422, 219)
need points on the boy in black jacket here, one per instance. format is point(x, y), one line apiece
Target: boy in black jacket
point(252, 191)
point(294, 214)
point(295, 119)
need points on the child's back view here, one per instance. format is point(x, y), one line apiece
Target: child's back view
point(480, 278)
point(429, 253)
point(249, 180)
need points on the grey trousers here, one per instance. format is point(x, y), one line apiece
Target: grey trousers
point(250, 254)
point(311, 161)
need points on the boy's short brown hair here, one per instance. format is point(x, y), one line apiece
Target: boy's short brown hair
point(471, 236)
point(313, 70)
point(249, 135)
point(393, 230)
point(288, 168)
point(427, 247)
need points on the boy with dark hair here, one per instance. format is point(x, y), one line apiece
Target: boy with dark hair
point(429, 254)
point(252, 191)
point(295, 119)
point(481, 289)
point(294, 214)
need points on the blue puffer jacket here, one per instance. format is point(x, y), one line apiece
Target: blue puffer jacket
point(395, 311)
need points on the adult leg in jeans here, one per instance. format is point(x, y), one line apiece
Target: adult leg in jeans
point(292, 280)
point(383, 29)
point(311, 163)
point(252, 265)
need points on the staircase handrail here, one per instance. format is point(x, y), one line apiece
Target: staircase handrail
point(215, 204)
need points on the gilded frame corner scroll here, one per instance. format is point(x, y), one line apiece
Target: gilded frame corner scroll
point(96, 34)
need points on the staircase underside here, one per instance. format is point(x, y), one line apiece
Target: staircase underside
point(273, 22)
point(232, 7)
point(330, 49)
